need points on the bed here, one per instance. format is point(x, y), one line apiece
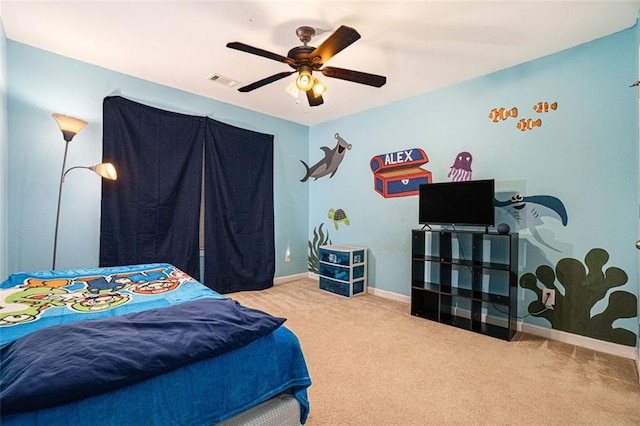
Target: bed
point(142, 344)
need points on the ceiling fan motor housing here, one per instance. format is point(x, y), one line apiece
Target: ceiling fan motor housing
point(301, 56)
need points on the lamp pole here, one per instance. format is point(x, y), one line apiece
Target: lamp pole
point(105, 170)
point(70, 127)
point(55, 237)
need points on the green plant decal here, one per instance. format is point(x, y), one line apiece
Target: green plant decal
point(319, 239)
point(583, 288)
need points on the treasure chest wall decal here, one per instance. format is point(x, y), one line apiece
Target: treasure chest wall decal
point(398, 174)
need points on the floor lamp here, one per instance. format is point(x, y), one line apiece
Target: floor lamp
point(70, 127)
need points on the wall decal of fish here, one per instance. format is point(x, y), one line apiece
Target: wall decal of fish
point(541, 107)
point(498, 114)
point(529, 211)
point(330, 162)
point(528, 124)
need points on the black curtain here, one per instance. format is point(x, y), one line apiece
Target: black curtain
point(151, 213)
point(239, 219)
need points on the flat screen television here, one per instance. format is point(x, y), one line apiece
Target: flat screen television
point(457, 203)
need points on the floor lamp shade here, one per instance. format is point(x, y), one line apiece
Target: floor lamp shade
point(106, 170)
point(69, 126)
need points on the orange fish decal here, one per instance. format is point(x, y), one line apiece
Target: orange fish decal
point(545, 107)
point(528, 124)
point(498, 114)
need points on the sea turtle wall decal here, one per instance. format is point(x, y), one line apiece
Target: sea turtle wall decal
point(338, 216)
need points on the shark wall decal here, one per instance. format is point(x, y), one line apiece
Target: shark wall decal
point(330, 162)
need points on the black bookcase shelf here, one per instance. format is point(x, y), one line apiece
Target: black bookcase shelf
point(467, 279)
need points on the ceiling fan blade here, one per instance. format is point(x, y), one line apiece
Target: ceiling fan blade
point(340, 39)
point(260, 52)
point(265, 81)
point(355, 76)
point(313, 101)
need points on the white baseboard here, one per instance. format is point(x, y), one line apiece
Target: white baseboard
point(389, 295)
point(582, 341)
point(289, 278)
point(561, 336)
point(629, 352)
point(375, 291)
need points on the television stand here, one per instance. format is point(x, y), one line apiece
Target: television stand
point(456, 228)
point(466, 279)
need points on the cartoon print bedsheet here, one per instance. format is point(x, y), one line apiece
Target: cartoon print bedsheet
point(202, 392)
point(31, 301)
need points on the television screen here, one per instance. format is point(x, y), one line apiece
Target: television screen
point(457, 203)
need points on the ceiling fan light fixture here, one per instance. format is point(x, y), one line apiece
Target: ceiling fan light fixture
point(305, 79)
point(292, 89)
point(318, 88)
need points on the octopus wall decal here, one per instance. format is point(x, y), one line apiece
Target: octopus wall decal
point(461, 168)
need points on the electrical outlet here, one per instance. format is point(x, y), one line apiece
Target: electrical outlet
point(287, 256)
point(548, 297)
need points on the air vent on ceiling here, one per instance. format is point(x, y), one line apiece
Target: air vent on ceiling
point(229, 82)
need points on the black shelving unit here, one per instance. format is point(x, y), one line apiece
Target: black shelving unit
point(467, 279)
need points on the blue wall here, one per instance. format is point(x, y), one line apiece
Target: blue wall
point(4, 142)
point(585, 153)
point(637, 28)
point(75, 88)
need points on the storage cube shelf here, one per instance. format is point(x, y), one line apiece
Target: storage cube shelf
point(466, 279)
point(343, 270)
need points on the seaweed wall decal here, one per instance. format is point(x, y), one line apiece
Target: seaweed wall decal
point(319, 239)
point(583, 288)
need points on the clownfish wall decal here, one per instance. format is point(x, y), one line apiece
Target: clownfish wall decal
point(498, 114)
point(545, 107)
point(528, 124)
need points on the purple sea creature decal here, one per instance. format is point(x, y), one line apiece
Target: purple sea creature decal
point(461, 168)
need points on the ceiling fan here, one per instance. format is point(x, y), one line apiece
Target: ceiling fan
point(306, 59)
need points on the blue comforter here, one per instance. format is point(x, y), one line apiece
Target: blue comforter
point(45, 368)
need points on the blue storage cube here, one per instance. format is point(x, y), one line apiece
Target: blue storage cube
point(340, 258)
point(334, 286)
point(358, 272)
point(334, 271)
point(343, 269)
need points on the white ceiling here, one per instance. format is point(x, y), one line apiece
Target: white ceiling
point(418, 45)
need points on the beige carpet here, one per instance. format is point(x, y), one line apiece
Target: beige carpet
point(372, 363)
